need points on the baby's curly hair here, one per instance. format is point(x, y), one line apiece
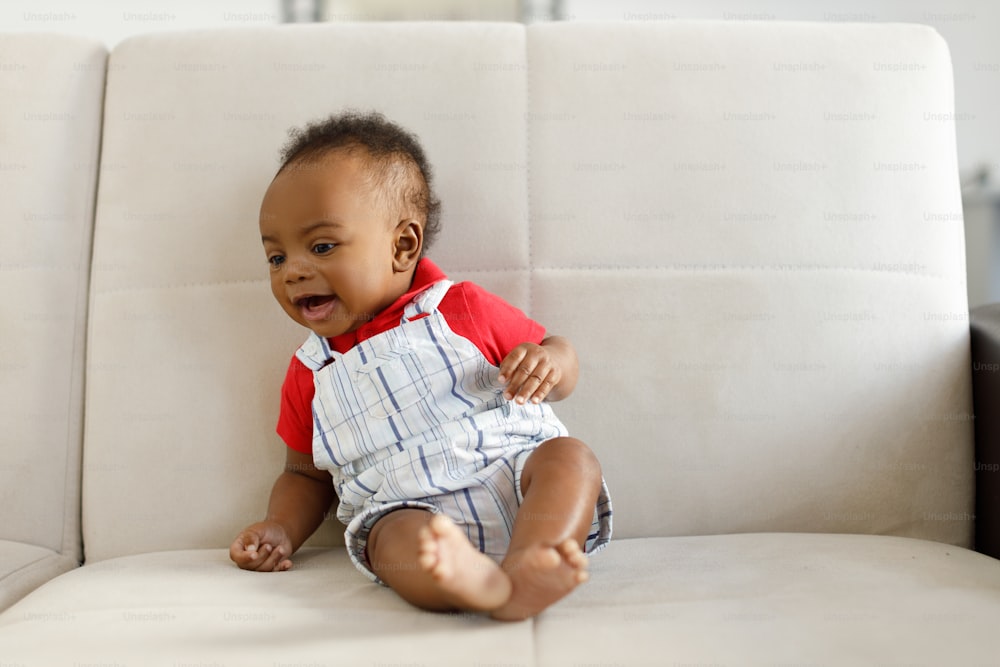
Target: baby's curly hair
point(397, 164)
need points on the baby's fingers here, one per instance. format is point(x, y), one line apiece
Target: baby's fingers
point(536, 385)
point(273, 559)
point(243, 550)
point(510, 363)
point(529, 374)
point(547, 383)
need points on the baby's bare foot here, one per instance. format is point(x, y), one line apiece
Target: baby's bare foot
point(541, 576)
point(468, 578)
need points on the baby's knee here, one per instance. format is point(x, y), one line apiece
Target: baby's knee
point(399, 525)
point(571, 452)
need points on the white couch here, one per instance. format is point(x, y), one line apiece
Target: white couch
point(749, 230)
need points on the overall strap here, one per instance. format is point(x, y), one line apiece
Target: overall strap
point(315, 353)
point(427, 301)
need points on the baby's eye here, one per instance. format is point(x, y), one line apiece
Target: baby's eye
point(323, 248)
point(276, 260)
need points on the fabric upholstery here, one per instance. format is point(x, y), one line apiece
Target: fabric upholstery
point(747, 281)
point(176, 330)
point(752, 295)
point(26, 566)
point(726, 599)
point(50, 120)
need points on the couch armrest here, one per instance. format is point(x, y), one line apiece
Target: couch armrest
point(984, 322)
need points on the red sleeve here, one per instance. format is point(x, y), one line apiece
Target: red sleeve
point(295, 422)
point(492, 324)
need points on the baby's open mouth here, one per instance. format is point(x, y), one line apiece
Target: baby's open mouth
point(317, 307)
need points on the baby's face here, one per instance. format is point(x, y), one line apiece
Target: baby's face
point(329, 244)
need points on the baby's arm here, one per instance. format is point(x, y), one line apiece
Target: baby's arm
point(300, 498)
point(536, 372)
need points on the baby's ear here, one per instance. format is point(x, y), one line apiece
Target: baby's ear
point(409, 242)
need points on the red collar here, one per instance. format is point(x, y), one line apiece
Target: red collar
point(426, 274)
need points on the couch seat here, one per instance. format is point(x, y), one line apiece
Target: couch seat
point(25, 566)
point(781, 598)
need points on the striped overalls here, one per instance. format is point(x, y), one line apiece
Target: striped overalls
point(415, 417)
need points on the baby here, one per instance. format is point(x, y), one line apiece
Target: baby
point(417, 403)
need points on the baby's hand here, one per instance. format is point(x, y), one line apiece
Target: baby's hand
point(263, 547)
point(529, 373)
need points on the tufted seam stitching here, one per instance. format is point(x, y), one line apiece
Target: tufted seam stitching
point(674, 268)
point(527, 168)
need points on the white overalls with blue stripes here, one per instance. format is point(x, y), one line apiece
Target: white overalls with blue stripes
point(415, 417)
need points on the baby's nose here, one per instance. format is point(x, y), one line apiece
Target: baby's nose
point(298, 269)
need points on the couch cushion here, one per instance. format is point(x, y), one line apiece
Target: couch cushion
point(179, 607)
point(752, 232)
point(52, 88)
point(187, 347)
point(23, 567)
point(761, 598)
point(779, 599)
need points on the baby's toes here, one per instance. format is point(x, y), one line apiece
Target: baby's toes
point(572, 554)
point(574, 557)
point(427, 549)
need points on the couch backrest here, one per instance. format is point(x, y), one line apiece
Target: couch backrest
point(752, 232)
point(51, 89)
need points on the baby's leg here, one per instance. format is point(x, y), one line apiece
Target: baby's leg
point(431, 564)
point(561, 482)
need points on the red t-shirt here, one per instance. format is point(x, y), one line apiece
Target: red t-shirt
point(494, 326)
